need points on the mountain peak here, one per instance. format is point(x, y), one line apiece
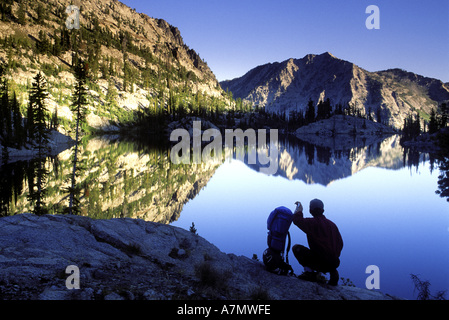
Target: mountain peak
point(323, 57)
point(328, 54)
point(384, 96)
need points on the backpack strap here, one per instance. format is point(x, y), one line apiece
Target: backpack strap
point(288, 247)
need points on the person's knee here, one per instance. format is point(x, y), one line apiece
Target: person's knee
point(298, 248)
point(300, 252)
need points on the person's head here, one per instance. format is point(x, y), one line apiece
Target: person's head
point(316, 207)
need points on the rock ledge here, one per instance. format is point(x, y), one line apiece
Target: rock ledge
point(132, 259)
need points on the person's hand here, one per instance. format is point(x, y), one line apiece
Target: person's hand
point(298, 207)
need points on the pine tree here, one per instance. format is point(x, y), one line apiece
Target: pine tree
point(310, 112)
point(40, 137)
point(411, 128)
point(41, 14)
point(43, 46)
point(111, 95)
point(126, 69)
point(324, 110)
point(111, 67)
point(57, 49)
point(38, 94)
point(65, 39)
point(19, 136)
point(21, 13)
point(444, 112)
point(29, 124)
point(54, 120)
point(79, 107)
point(5, 112)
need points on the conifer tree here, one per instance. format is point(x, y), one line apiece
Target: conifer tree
point(17, 122)
point(433, 123)
point(29, 124)
point(41, 14)
point(111, 95)
point(5, 112)
point(57, 49)
point(444, 112)
point(310, 112)
point(21, 13)
point(79, 107)
point(38, 94)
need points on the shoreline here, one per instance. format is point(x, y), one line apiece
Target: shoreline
point(58, 142)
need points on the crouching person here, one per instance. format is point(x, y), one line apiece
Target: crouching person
point(325, 243)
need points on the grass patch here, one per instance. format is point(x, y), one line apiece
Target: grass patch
point(211, 277)
point(260, 293)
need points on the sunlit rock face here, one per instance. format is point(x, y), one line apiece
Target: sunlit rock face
point(289, 85)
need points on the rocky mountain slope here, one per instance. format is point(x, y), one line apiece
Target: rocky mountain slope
point(130, 259)
point(288, 85)
point(136, 62)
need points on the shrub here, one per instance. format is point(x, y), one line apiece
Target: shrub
point(259, 293)
point(210, 277)
point(424, 291)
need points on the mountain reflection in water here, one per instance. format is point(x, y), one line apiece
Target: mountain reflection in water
point(333, 160)
point(134, 179)
point(121, 179)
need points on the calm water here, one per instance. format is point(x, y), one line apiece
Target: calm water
point(382, 199)
point(387, 212)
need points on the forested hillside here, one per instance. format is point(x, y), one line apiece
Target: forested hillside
point(139, 69)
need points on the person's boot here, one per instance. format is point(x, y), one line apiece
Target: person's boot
point(308, 276)
point(333, 281)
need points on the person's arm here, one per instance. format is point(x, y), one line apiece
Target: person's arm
point(298, 216)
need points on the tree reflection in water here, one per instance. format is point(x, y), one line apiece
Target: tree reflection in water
point(131, 179)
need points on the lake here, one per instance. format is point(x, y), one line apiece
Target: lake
point(387, 211)
point(381, 197)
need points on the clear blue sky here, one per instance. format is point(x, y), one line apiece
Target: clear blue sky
point(236, 36)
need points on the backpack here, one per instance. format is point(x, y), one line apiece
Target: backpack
point(278, 224)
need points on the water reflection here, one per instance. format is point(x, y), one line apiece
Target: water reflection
point(443, 178)
point(121, 179)
point(138, 180)
point(334, 159)
point(381, 196)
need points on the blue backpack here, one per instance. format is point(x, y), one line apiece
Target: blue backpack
point(278, 224)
